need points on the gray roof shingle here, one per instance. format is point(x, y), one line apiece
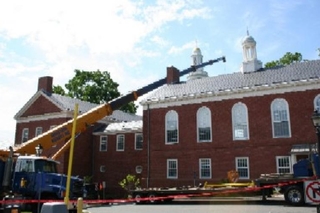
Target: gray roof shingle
point(68, 103)
point(299, 71)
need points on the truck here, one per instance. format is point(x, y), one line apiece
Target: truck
point(299, 188)
point(32, 177)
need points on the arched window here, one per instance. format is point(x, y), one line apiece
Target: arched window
point(240, 124)
point(317, 103)
point(204, 124)
point(280, 118)
point(172, 127)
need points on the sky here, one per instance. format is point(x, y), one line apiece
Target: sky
point(135, 40)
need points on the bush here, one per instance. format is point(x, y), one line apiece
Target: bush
point(129, 183)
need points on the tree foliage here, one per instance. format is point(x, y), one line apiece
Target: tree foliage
point(94, 87)
point(287, 59)
point(130, 182)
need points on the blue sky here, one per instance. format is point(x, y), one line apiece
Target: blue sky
point(136, 40)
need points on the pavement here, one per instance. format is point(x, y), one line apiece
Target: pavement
point(230, 200)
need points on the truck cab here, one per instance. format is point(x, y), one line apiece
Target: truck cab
point(37, 177)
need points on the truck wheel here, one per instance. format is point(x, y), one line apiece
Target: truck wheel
point(152, 198)
point(137, 198)
point(294, 196)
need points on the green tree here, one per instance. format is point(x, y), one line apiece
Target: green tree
point(130, 182)
point(94, 87)
point(59, 90)
point(272, 64)
point(287, 59)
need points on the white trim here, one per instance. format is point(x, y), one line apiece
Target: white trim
point(176, 116)
point(45, 117)
point(106, 143)
point(103, 168)
point(135, 141)
point(210, 164)
point(232, 94)
point(286, 105)
point(36, 132)
point(22, 136)
point(246, 120)
point(282, 157)
point(32, 100)
point(118, 141)
point(176, 161)
point(204, 109)
point(248, 167)
point(315, 102)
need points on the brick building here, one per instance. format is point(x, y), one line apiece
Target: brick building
point(254, 121)
point(46, 110)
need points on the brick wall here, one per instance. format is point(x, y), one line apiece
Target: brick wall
point(41, 106)
point(261, 148)
point(118, 164)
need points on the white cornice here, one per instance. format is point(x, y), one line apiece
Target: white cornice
point(43, 117)
point(49, 116)
point(260, 90)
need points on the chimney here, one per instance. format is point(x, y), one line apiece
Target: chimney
point(45, 83)
point(173, 75)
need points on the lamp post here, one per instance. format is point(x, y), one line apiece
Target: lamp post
point(39, 149)
point(316, 124)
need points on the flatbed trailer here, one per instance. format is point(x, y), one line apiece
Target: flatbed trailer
point(293, 188)
point(167, 194)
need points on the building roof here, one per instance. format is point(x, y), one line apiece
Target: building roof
point(66, 104)
point(308, 71)
point(123, 127)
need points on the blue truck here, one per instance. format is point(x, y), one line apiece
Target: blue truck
point(34, 179)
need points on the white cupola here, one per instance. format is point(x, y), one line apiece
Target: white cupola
point(196, 58)
point(250, 62)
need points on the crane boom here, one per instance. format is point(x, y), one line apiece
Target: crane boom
point(62, 133)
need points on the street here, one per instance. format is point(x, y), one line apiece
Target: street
point(203, 208)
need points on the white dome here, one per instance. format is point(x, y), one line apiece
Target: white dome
point(197, 51)
point(248, 39)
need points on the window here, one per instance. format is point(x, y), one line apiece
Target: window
point(24, 165)
point(38, 131)
point(283, 164)
point(120, 142)
point(25, 134)
point(242, 167)
point(45, 166)
point(172, 168)
point(205, 168)
point(240, 122)
point(102, 168)
point(139, 169)
point(317, 103)
point(103, 143)
point(204, 124)
point(171, 127)
point(138, 141)
point(280, 118)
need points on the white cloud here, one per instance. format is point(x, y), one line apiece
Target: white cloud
point(160, 41)
point(133, 40)
point(186, 46)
